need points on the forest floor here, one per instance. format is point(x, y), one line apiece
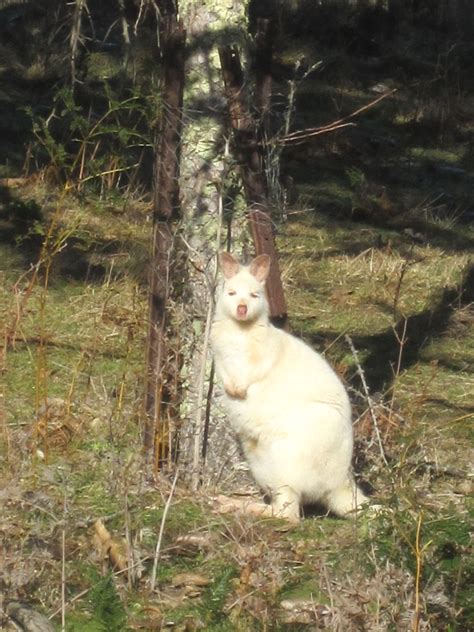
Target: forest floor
point(376, 252)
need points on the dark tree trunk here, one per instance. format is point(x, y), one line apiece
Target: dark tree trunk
point(160, 373)
point(249, 157)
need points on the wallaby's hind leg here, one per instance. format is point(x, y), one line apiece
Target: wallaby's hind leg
point(345, 499)
point(286, 504)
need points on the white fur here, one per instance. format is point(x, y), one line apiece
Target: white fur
point(288, 407)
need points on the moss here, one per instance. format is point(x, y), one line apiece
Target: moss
point(305, 589)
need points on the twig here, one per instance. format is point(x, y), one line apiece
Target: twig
point(125, 33)
point(419, 560)
point(199, 431)
point(370, 402)
point(39, 508)
point(401, 342)
point(75, 37)
point(63, 574)
point(396, 297)
point(207, 414)
point(86, 590)
point(128, 539)
point(157, 556)
point(274, 150)
point(239, 601)
point(314, 131)
point(102, 174)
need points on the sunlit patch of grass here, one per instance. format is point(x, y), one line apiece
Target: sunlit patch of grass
point(365, 291)
point(81, 351)
point(436, 155)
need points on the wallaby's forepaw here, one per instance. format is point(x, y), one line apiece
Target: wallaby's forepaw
point(235, 391)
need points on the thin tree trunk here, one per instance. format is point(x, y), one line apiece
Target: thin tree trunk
point(166, 212)
point(249, 157)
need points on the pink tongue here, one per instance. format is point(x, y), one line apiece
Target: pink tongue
point(241, 310)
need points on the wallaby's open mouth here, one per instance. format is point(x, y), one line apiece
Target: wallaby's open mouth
point(241, 311)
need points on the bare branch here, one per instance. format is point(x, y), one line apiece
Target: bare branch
point(370, 402)
point(302, 135)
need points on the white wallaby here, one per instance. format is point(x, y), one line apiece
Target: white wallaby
point(288, 407)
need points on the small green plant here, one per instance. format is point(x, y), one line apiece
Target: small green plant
point(22, 219)
point(356, 178)
point(99, 147)
point(109, 611)
point(214, 598)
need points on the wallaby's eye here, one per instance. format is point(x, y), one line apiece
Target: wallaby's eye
point(231, 292)
point(254, 294)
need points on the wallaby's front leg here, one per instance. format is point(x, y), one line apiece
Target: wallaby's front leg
point(234, 389)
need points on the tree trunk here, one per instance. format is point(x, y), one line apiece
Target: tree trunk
point(211, 202)
point(161, 373)
point(250, 161)
point(213, 211)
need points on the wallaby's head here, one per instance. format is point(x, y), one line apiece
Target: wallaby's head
point(243, 294)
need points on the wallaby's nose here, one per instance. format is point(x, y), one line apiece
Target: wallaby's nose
point(241, 310)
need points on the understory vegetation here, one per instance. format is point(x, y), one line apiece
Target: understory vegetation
point(375, 236)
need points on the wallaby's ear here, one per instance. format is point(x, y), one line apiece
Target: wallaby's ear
point(229, 264)
point(260, 267)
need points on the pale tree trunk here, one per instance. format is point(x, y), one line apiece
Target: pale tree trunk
point(217, 214)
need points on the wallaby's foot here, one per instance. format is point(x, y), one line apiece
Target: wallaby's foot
point(235, 391)
point(283, 507)
point(286, 504)
point(346, 499)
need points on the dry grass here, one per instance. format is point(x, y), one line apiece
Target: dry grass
point(386, 265)
point(72, 438)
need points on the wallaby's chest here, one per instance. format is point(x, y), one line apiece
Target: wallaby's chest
point(233, 346)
